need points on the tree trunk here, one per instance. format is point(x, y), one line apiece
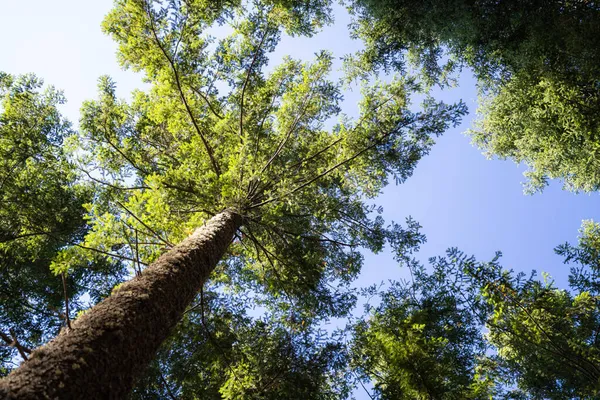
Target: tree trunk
point(111, 344)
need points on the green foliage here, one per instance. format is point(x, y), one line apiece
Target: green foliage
point(221, 128)
point(495, 39)
point(219, 352)
point(537, 63)
point(402, 34)
point(36, 200)
point(544, 336)
point(40, 213)
point(585, 275)
point(424, 340)
point(549, 125)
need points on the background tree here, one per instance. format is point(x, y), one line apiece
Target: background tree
point(40, 213)
point(218, 136)
point(425, 339)
point(216, 353)
point(545, 337)
point(536, 61)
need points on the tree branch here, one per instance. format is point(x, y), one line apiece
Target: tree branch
point(288, 135)
point(257, 52)
point(110, 184)
point(64, 283)
point(326, 172)
point(165, 241)
point(12, 341)
point(182, 94)
point(208, 103)
point(166, 385)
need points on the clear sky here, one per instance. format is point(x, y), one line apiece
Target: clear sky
point(460, 198)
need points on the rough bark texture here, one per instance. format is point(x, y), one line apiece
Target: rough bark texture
point(111, 344)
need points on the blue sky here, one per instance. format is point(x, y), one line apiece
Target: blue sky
point(460, 198)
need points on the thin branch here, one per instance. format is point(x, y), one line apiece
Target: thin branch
point(326, 172)
point(322, 238)
point(131, 248)
point(118, 150)
point(110, 184)
point(198, 92)
point(363, 386)
point(257, 52)
point(137, 252)
point(64, 283)
point(12, 341)
point(210, 337)
point(207, 101)
point(165, 241)
point(258, 245)
point(182, 95)
point(355, 221)
point(180, 188)
point(317, 154)
point(182, 29)
point(359, 124)
point(269, 254)
point(147, 233)
point(262, 122)
point(26, 235)
point(106, 253)
point(294, 167)
point(283, 142)
point(11, 171)
point(166, 385)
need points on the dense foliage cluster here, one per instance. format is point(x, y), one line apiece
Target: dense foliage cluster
point(537, 64)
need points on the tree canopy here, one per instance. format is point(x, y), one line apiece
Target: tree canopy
point(217, 130)
point(229, 207)
point(536, 63)
point(425, 340)
point(40, 213)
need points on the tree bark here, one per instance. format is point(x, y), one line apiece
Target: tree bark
point(111, 344)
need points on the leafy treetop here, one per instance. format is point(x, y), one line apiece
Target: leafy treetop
point(219, 130)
